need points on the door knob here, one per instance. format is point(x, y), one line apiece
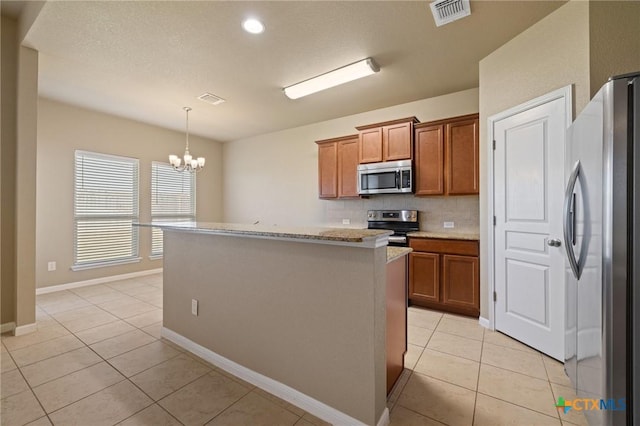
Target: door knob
point(554, 242)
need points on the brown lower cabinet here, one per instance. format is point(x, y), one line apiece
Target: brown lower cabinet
point(396, 335)
point(445, 275)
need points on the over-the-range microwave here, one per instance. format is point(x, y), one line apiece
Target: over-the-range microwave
point(390, 177)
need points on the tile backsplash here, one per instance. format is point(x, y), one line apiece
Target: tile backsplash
point(463, 210)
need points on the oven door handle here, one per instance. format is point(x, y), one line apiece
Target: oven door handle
point(397, 239)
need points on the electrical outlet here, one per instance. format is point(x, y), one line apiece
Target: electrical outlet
point(51, 266)
point(449, 225)
point(194, 307)
point(346, 221)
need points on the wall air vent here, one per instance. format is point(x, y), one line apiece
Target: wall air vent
point(445, 11)
point(211, 99)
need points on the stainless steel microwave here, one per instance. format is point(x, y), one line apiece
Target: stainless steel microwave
point(391, 177)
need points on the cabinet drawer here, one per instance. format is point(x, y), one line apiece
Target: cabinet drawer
point(462, 247)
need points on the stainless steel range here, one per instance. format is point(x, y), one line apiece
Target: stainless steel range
point(399, 221)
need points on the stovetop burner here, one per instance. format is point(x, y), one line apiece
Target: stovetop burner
point(399, 221)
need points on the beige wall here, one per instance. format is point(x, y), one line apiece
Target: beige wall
point(582, 44)
point(308, 315)
point(551, 54)
point(8, 89)
point(27, 134)
point(614, 40)
point(62, 129)
point(273, 178)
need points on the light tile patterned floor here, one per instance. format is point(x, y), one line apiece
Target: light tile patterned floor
point(459, 373)
point(97, 359)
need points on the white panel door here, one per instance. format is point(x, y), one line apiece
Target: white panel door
point(528, 195)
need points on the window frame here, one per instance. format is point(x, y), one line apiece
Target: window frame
point(84, 217)
point(169, 217)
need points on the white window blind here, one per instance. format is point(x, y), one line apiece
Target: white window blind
point(105, 207)
point(173, 199)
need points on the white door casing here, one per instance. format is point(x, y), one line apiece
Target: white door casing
point(528, 189)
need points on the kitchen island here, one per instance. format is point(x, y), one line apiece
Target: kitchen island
point(299, 312)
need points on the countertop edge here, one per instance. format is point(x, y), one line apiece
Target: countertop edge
point(469, 236)
point(336, 236)
point(395, 253)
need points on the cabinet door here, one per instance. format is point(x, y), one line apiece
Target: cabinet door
point(460, 282)
point(430, 160)
point(462, 151)
point(370, 150)
point(348, 168)
point(328, 170)
point(396, 142)
point(424, 277)
point(396, 335)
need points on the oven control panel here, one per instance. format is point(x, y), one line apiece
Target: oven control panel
point(392, 215)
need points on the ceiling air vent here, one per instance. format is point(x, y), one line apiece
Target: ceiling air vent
point(445, 11)
point(211, 99)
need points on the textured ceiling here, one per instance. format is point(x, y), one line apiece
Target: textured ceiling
point(146, 60)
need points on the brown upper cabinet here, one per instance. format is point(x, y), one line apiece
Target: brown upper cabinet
point(338, 167)
point(446, 156)
point(388, 141)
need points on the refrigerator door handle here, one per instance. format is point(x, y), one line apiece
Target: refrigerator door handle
point(570, 220)
point(572, 212)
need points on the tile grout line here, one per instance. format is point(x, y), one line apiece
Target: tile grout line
point(146, 408)
point(454, 355)
point(283, 407)
point(49, 340)
point(422, 415)
point(238, 400)
point(71, 333)
point(511, 371)
point(93, 393)
point(475, 401)
point(89, 366)
point(552, 392)
point(212, 368)
point(457, 335)
point(411, 373)
point(30, 389)
point(480, 365)
point(444, 381)
point(97, 354)
point(516, 404)
point(105, 360)
point(518, 372)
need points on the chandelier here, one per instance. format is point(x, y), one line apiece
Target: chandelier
point(187, 163)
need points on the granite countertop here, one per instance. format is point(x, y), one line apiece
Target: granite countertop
point(338, 235)
point(394, 253)
point(472, 236)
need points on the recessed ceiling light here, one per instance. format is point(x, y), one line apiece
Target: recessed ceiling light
point(253, 26)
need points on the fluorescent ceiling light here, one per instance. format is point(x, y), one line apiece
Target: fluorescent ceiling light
point(333, 78)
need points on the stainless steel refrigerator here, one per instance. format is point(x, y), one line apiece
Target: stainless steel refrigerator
point(601, 238)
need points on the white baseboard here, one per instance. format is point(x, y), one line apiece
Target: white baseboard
point(102, 280)
point(384, 418)
point(25, 329)
point(297, 398)
point(484, 322)
point(7, 327)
